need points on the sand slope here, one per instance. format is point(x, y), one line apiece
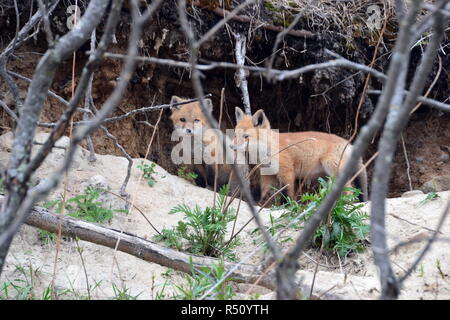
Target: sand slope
point(407, 218)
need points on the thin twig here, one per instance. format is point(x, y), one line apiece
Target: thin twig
point(87, 102)
point(428, 245)
point(216, 165)
point(227, 16)
point(129, 114)
point(80, 252)
point(136, 207)
point(48, 30)
point(280, 37)
point(51, 93)
point(396, 121)
point(280, 75)
point(288, 267)
point(408, 167)
point(316, 269)
point(412, 223)
point(9, 111)
point(123, 193)
point(213, 123)
point(245, 19)
point(22, 208)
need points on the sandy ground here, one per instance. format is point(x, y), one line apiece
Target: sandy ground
point(108, 271)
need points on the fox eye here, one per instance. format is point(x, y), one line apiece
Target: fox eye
point(246, 136)
point(197, 120)
point(182, 119)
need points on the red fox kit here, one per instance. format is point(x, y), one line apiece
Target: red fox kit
point(189, 120)
point(300, 155)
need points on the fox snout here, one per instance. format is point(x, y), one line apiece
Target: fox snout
point(238, 146)
point(189, 130)
point(235, 144)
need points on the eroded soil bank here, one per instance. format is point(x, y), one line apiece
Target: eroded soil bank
point(354, 276)
point(322, 100)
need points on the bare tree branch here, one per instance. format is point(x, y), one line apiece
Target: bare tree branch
point(131, 244)
point(20, 37)
point(48, 30)
point(42, 190)
point(152, 252)
point(123, 193)
point(213, 123)
point(87, 103)
point(284, 74)
point(280, 37)
point(288, 266)
point(267, 26)
point(426, 101)
point(396, 120)
point(83, 85)
point(241, 77)
point(9, 111)
point(49, 92)
point(16, 179)
point(227, 16)
point(129, 114)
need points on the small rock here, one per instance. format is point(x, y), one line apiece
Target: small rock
point(421, 235)
point(99, 182)
point(438, 183)
point(419, 159)
point(444, 157)
point(412, 193)
point(107, 199)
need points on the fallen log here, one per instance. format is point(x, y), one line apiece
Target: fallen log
point(152, 252)
point(141, 248)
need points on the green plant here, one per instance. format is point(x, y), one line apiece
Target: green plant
point(202, 231)
point(46, 236)
point(344, 231)
point(17, 289)
point(439, 267)
point(421, 271)
point(148, 170)
point(23, 286)
point(430, 196)
point(2, 186)
point(84, 206)
point(200, 282)
point(189, 176)
point(161, 294)
point(123, 293)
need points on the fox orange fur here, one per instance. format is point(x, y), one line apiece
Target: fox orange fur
point(301, 155)
point(190, 120)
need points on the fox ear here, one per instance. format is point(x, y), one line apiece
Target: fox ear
point(175, 99)
point(260, 119)
point(239, 114)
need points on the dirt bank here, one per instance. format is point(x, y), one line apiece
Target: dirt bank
point(353, 277)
